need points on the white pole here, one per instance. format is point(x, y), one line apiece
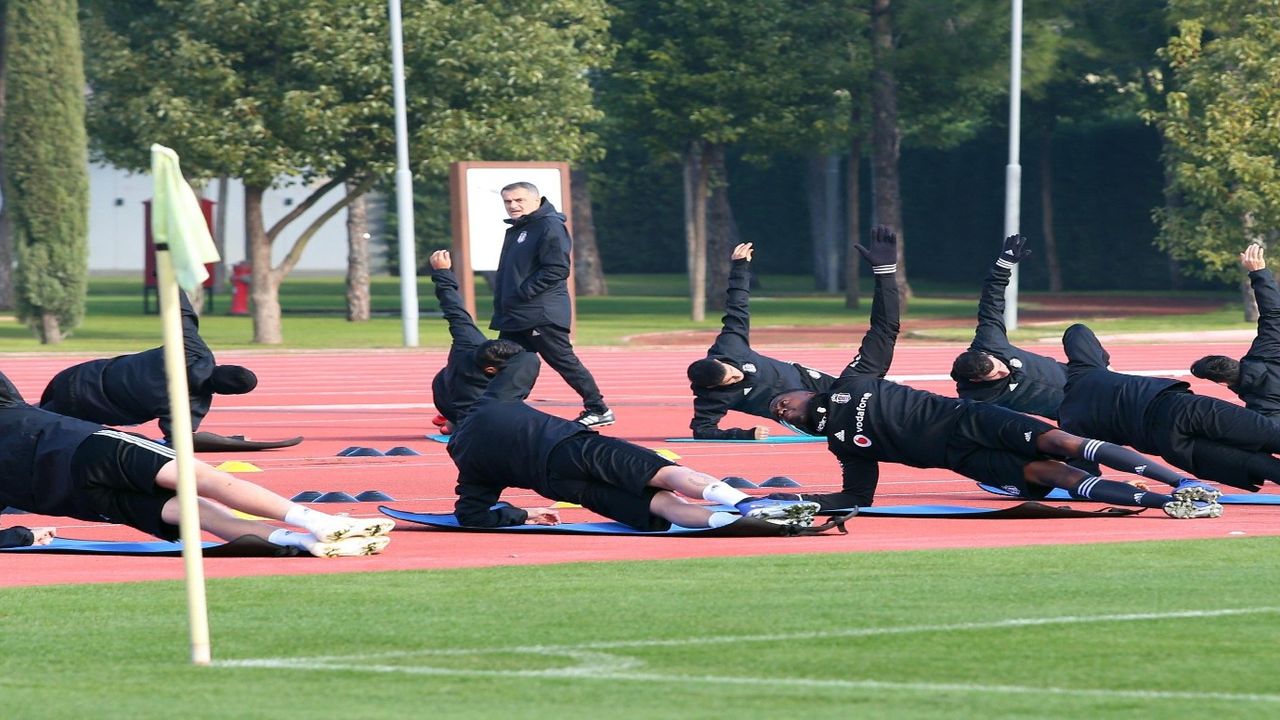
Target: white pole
point(175, 368)
point(1013, 171)
point(404, 187)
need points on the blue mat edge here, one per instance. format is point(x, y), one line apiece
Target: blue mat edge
point(1060, 494)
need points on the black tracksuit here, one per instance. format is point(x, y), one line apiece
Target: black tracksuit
point(763, 377)
point(1034, 383)
point(1259, 385)
point(461, 381)
point(133, 389)
point(505, 443)
point(1210, 438)
point(531, 296)
point(870, 420)
point(36, 447)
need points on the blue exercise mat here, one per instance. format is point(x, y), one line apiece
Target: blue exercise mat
point(247, 546)
point(771, 440)
point(1060, 494)
point(1021, 511)
point(744, 527)
point(439, 438)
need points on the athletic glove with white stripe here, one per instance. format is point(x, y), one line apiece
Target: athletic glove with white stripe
point(1013, 251)
point(883, 253)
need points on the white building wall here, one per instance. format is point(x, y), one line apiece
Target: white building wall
point(116, 223)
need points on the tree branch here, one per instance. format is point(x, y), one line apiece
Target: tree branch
point(305, 205)
point(295, 253)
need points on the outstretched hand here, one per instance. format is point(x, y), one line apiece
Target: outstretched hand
point(883, 253)
point(742, 252)
point(43, 535)
point(542, 516)
point(1253, 258)
point(1013, 251)
point(440, 260)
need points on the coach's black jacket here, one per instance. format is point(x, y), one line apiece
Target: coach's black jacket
point(1034, 383)
point(132, 389)
point(529, 288)
point(762, 376)
point(504, 443)
point(1107, 405)
point(1259, 386)
point(461, 381)
point(36, 447)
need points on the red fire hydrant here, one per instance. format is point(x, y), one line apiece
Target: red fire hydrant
point(240, 278)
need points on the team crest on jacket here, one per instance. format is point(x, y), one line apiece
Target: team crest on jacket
point(840, 398)
point(523, 234)
point(748, 367)
point(861, 440)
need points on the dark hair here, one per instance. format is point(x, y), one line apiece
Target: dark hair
point(231, 380)
point(496, 353)
point(1217, 368)
point(707, 372)
point(971, 365)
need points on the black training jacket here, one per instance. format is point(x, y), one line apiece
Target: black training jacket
point(1259, 386)
point(460, 382)
point(1034, 383)
point(871, 419)
point(36, 447)
point(133, 389)
point(1107, 405)
point(504, 443)
point(763, 377)
point(529, 288)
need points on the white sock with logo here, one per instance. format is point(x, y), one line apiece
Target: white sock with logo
point(290, 538)
point(718, 492)
point(720, 519)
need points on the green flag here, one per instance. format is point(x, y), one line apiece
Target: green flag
point(177, 222)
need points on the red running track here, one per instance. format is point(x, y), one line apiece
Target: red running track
point(382, 399)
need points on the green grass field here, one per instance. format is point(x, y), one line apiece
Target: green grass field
point(1151, 630)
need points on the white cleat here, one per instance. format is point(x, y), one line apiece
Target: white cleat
point(351, 547)
point(339, 528)
point(1188, 509)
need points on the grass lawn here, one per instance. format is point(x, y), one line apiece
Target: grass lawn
point(314, 315)
point(1171, 630)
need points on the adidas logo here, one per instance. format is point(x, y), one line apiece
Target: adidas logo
point(1013, 386)
point(1140, 469)
point(840, 436)
point(1026, 436)
point(746, 391)
point(1136, 497)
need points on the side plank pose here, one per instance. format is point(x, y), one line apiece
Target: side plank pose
point(1254, 378)
point(132, 389)
point(868, 420)
point(1210, 438)
point(733, 376)
point(56, 465)
point(504, 443)
point(993, 369)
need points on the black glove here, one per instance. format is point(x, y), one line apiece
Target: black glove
point(883, 254)
point(1014, 250)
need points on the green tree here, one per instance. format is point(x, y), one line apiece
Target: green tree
point(46, 181)
point(299, 91)
point(1222, 139)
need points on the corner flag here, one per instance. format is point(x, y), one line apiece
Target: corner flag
point(176, 221)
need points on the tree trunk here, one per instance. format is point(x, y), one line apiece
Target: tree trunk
point(6, 227)
point(50, 332)
point(357, 258)
point(695, 228)
point(1046, 215)
point(264, 288)
point(814, 194)
point(588, 273)
point(721, 229)
point(853, 222)
point(885, 136)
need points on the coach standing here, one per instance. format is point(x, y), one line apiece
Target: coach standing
point(531, 295)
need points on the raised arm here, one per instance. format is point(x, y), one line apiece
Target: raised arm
point(875, 355)
point(462, 327)
point(991, 329)
point(735, 326)
point(1267, 343)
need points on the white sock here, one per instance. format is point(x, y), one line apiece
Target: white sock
point(304, 517)
point(718, 492)
point(720, 519)
point(289, 538)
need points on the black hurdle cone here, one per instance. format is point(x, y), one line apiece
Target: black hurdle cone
point(348, 450)
point(13, 511)
point(374, 496)
point(402, 450)
point(337, 496)
point(779, 481)
point(365, 452)
point(735, 481)
point(305, 496)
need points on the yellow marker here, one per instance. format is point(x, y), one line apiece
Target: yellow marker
point(235, 466)
point(246, 516)
point(663, 452)
point(563, 505)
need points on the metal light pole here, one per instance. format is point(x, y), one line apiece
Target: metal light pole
point(404, 187)
point(1013, 171)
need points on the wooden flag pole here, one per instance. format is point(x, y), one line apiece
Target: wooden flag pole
point(175, 366)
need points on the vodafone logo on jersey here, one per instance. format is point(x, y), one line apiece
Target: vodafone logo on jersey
point(861, 440)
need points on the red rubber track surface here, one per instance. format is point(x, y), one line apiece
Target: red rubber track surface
point(382, 399)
